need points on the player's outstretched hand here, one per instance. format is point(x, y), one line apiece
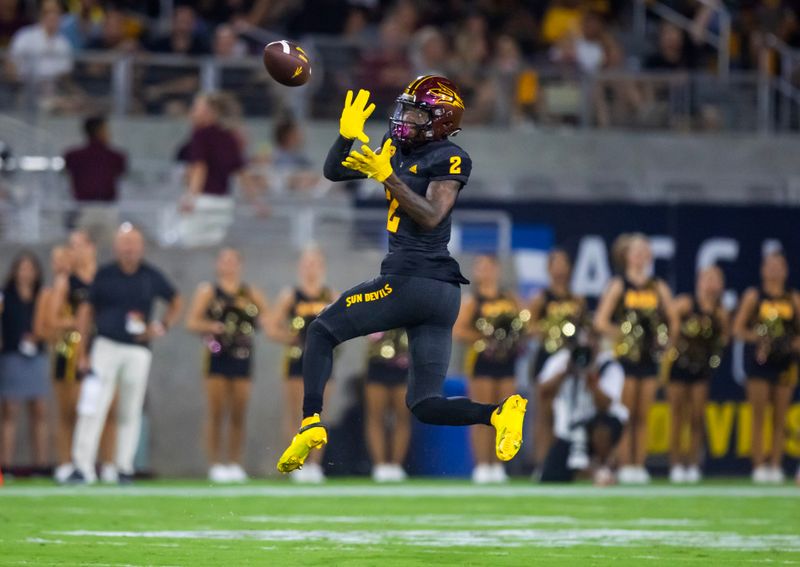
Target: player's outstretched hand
point(354, 116)
point(377, 166)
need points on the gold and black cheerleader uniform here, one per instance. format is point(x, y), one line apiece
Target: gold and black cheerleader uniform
point(644, 333)
point(387, 358)
point(502, 325)
point(304, 310)
point(698, 350)
point(559, 323)
point(65, 351)
point(230, 353)
point(777, 323)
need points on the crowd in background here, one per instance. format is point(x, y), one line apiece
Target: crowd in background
point(87, 334)
point(498, 52)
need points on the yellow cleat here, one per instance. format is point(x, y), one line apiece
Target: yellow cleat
point(507, 421)
point(312, 435)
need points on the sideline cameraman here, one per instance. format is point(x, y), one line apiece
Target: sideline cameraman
point(588, 414)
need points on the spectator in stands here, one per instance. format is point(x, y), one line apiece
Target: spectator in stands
point(40, 54)
point(169, 89)
point(674, 52)
point(470, 68)
point(590, 49)
point(95, 170)
point(562, 19)
point(506, 68)
point(386, 70)
point(23, 358)
point(113, 34)
point(227, 44)
point(82, 22)
point(429, 52)
point(119, 308)
point(183, 37)
point(12, 18)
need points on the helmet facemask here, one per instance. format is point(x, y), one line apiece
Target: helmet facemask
point(411, 123)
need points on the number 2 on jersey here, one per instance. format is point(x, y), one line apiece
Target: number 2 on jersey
point(455, 164)
point(392, 220)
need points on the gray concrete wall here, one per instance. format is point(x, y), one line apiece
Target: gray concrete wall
point(554, 163)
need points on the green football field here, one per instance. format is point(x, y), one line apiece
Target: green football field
point(352, 522)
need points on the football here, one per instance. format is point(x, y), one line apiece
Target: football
point(287, 63)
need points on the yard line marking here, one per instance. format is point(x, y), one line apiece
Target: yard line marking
point(478, 538)
point(452, 520)
point(407, 491)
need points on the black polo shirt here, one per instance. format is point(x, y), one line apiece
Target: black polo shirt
point(122, 302)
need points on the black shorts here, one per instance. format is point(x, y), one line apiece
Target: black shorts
point(229, 367)
point(386, 374)
point(555, 467)
point(784, 373)
point(645, 368)
point(493, 369)
point(65, 368)
point(424, 307)
point(685, 376)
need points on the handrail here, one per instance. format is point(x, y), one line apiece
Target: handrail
point(782, 84)
point(720, 42)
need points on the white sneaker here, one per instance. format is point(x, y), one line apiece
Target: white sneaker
point(693, 474)
point(642, 476)
point(603, 477)
point(499, 474)
point(678, 474)
point(382, 473)
point(627, 475)
point(398, 473)
point(761, 475)
point(236, 473)
point(218, 473)
point(776, 475)
point(62, 472)
point(482, 474)
point(109, 473)
point(311, 473)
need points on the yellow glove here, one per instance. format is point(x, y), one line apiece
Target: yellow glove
point(354, 115)
point(377, 166)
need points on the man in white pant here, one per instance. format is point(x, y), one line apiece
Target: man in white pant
point(119, 308)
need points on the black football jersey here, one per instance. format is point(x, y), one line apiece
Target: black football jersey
point(414, 251)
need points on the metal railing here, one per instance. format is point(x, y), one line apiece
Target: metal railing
point(779, 76)
point(719, 41)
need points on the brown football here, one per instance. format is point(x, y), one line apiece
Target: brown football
point(287, 63)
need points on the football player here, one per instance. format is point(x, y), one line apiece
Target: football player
point(422, 173)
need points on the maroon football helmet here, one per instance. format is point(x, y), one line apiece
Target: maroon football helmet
point(429, 109)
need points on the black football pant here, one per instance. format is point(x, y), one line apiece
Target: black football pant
point(427, 309)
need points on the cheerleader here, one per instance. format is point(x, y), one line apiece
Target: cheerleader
point(491, 324)
point(635, 314)
point(294, 311)
point(387, 374)
point(227, 314)
point(556, 316)
point(23, 358)
point(768, 323)
point(699, 339)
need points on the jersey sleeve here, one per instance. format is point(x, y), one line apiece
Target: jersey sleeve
point(555, 365)
point(163, 288)
point(451, 162)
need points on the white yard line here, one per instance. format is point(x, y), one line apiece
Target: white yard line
point(476, 538)
point(405, 491)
